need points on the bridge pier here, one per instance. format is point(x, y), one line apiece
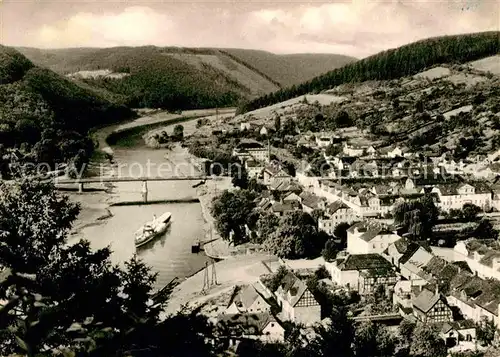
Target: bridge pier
point(80, 187)
point(145, 191)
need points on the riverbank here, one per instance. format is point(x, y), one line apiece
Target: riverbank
point(189, 294)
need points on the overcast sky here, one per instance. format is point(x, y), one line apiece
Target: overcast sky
point(357, 27)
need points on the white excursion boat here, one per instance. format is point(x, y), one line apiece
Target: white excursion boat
point(152, 229)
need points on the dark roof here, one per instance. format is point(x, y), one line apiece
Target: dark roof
point(244, 324)
point(310, 199)
point(363, 262)
point(282, 207)
point(245, 296)
point(335, 206)
point(370, 229)
point(249, 144)
point(293, 285)
point(426, 300)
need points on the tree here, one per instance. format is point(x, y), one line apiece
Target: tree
point(427, 343)
point(333, 150)
point(317, 214)
point(418, 217)
point(330, 250)
point(239, 176)
point(342, 119)
point(470, 211)
point(296, 237)
point(178, 133)
point(62, 294)
point(231, 211)
point(277, 123)
point(485, 331)
point(373, 340)
point(340, 232)
point(268, 222)
point(485, 230)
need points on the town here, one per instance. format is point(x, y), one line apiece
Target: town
point(404, 228)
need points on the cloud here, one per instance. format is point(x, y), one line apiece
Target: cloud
point(358, 27)
point(134, 26)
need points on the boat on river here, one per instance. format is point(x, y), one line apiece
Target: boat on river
point(152, 229)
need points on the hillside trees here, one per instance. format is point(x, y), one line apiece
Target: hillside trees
point(403, 61)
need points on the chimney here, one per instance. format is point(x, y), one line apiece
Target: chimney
point(437, 289)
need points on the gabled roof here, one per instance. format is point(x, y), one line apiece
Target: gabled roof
point(244, 324)
point(291, 288)
point(370, 229)
point(310, 199)
point(426, 300)
point(245, 296)
point(363, 262)
point(282, 207)
point(335, 206)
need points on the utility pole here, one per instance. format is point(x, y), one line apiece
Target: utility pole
point(206, 283)
point(214, 274)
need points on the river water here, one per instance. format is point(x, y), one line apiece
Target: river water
point(169, 255)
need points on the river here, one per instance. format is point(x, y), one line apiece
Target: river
point(169, 255)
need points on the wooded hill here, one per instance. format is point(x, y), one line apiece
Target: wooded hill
point(185, 78)
point(395, 63)
point(47, 115)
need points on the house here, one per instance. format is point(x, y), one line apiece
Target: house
point(412, 264)
point(292, 198)
point(455, 195)
point(297, 302)
point(324, 141)
point(457, 331)
point(311, 202)
point(345, 271)
point(253, 168)
point(246, 299)
point(482, 256)
point(251, 149)
point(274, 172)
point(370, 237)
point(395, 152)
point(353, 150)
point(245, 126)
point(370, 280)
point(335, 213)
point(281, 209)
point(431, 306)
point(255, 326)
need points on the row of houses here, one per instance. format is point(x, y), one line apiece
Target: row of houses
point(378, 198)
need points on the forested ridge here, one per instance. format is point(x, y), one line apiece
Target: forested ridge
point(185, 78)
point(47, 116)
point(395, 63)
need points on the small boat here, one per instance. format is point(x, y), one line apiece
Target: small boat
point(152, 229)
point(199, 184)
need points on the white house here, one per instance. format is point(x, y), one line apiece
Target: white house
point(255, 326)
point(346, 271)
point(353, 150)
point(246, 299)
point(297, 302)
point(370, 237)
point(274, 172)
point(335, 213)
point(482, 256)
point(454, 196)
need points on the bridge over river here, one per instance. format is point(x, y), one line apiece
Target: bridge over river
point(143, 179)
